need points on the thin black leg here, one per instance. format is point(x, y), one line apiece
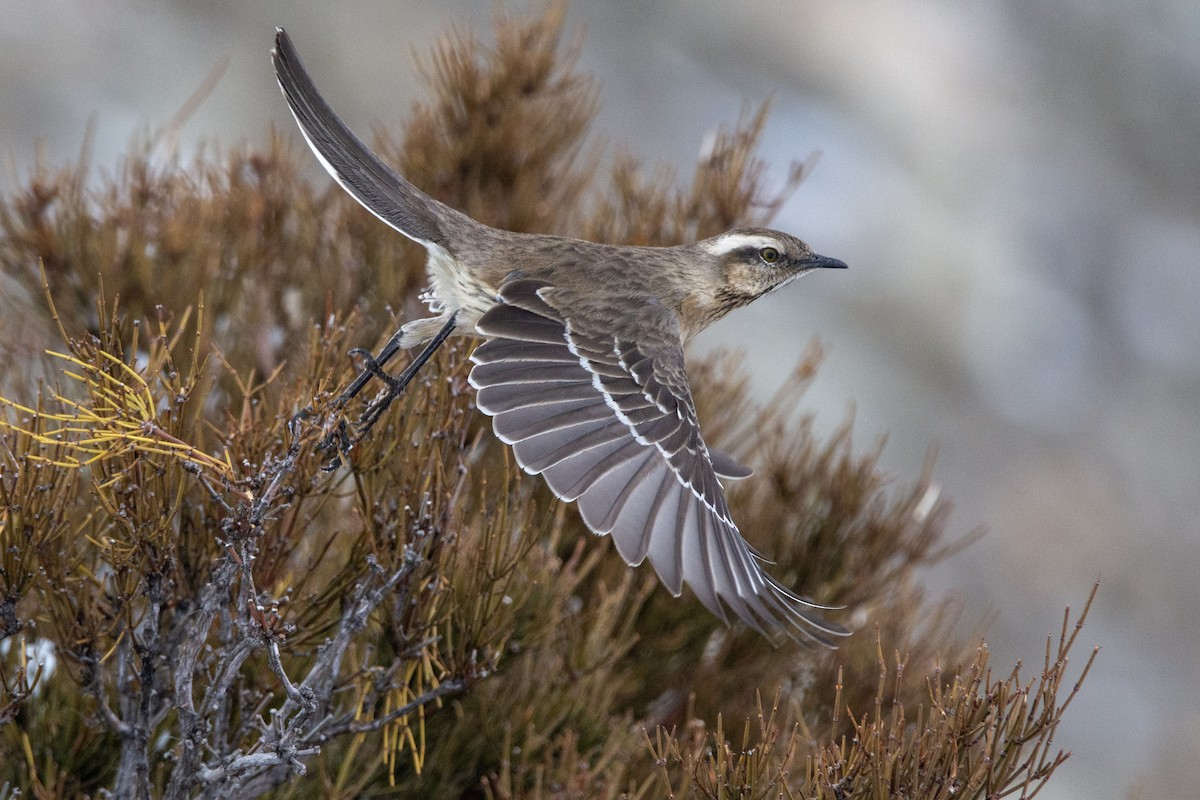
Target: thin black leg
point(397, 385)
point(373, 368)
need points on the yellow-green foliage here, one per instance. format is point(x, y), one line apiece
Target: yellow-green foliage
point(227, 618)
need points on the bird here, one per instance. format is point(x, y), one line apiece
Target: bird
point(581, 367)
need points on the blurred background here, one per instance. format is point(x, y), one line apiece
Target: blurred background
point(1016, 187)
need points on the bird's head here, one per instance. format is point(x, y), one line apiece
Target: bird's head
point(748, 263)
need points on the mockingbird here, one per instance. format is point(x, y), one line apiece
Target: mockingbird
point(582, 367)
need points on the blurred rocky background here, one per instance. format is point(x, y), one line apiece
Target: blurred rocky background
point(1016, 187)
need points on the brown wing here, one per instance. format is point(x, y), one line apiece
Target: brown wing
point(607, 419)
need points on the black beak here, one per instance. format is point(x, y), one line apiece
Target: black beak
point(822, 262)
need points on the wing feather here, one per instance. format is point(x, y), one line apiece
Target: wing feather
point(602, 410)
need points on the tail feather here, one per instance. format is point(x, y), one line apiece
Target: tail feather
point(351, 163)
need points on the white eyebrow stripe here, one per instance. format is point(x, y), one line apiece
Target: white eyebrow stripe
point(736, 241)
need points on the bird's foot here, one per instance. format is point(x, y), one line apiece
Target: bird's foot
point(340, 440)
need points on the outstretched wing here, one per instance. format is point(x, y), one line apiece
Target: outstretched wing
point(607, 419)
point(350, 162)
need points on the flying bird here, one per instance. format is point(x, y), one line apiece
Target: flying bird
point(582, 368)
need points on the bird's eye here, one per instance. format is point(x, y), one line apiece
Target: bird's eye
point(769, 255)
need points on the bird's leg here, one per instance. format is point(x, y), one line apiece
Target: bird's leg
point(340, 438)
point(397, 385)
point(372, 366)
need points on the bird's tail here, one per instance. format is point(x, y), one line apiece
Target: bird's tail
point(351, 163)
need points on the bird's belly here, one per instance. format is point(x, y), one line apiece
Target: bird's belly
point(452, 289)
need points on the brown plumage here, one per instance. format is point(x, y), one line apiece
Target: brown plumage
point(582, 369)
